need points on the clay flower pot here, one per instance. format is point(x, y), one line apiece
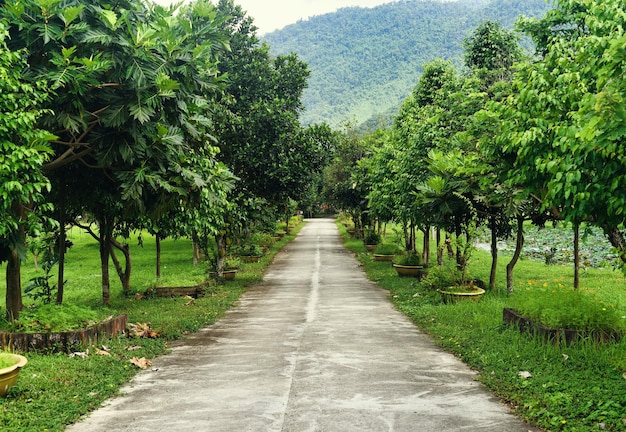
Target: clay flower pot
point(9, 374)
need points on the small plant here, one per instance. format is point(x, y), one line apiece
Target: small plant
point(6, 361)
point(412, 258)
point(372, 238)
point(40, 287)
point(441, 277)
point(232, 263)
point(386, 249)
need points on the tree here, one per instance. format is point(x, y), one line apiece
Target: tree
point(565, 120)
point(491, 51)
point(134, 85)
point(24, 151)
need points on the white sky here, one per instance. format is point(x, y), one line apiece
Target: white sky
point(271, 15)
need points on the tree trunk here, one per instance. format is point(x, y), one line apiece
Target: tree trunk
point(494, 254)
point(407, 238)
point(197, 254)
point(426, 251)
point(519, 244)
point(13, 294)
point(123, 274)
point(104, 265)
point(14, 286)
point(439, 248)
point(158, 255)
point(616, 238)
point(576, 255)
point(220, 241)
point(62, 238)
point(460, 265)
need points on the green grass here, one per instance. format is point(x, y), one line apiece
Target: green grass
point(579, 387)
point(54, 390)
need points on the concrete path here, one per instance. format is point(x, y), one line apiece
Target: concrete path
point(315, 348)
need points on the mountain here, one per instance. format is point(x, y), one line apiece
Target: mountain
point(365, 61)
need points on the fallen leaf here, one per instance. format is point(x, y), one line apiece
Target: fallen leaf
point(142, 330)
point(78, 354)
point(102, 352)
point(524, 374)
point(565, 356)
point(190, 303)
point(142, 363)
point(134, 348)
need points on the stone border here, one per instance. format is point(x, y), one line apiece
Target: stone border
point(557, 336)
point(63, 341)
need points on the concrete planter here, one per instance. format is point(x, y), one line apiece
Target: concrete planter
point(557, 336)
point(381, 257)
point(370, 248)
point(409, 270)
point(9, 374)
point(449, 295)
point(63, 341)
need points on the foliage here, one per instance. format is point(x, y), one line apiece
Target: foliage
point(364, 61)
point(557, 306)
point(386, 248)
point(251, 249)
point(372, 238)
point(54, 318)
point(39, 287)
point(5, 361)
point(409, 258)
point(441, 277)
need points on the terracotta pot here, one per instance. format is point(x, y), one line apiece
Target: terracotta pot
point(9, 374)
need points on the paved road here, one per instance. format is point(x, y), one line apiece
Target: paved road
point(315, 348)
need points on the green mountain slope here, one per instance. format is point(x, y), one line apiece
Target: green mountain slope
point(365, 61)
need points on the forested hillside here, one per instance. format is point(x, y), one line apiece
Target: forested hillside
point(365, 61)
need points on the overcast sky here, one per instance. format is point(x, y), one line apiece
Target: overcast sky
point(270, 15)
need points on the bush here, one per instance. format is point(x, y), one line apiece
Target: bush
point(372, 238)
point(412, 258)
point(441, 277)
point(387, 249)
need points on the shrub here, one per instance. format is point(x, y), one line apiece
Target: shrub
point(387, 249)
point(412, 258)
point(372, 238)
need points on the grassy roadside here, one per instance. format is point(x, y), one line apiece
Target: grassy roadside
point(580, 387)
point(55, 390)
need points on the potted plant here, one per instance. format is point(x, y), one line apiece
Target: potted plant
point(250, 253)
point(385, 251)
point(231, 265)
point(10, 366)
point(372, 238)
point(409, 264)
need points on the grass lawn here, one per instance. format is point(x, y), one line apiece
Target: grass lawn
point(580, 387)
point(55, 390)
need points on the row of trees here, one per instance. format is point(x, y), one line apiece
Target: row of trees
point(131, 115)
point(510, 139)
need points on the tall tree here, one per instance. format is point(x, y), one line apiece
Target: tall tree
point(134, 84)
point(24, 149)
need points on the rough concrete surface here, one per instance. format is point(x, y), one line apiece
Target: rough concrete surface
point(315, 348)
